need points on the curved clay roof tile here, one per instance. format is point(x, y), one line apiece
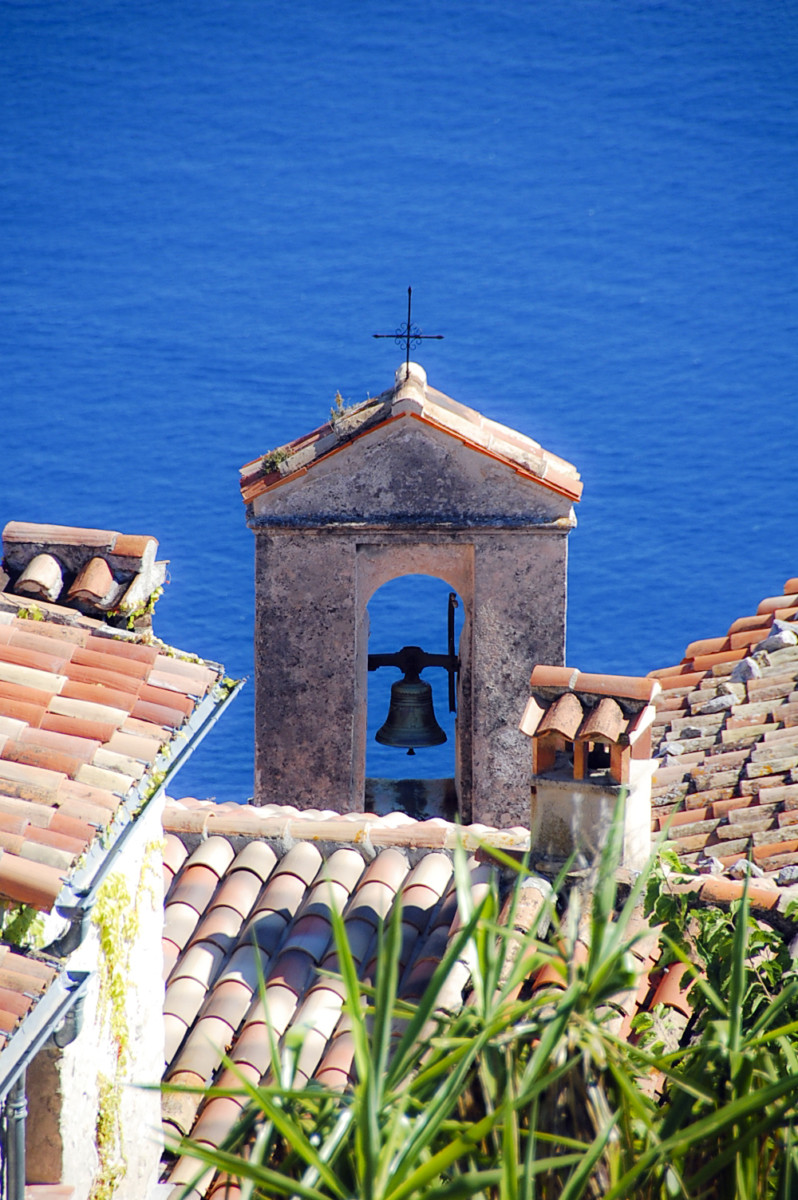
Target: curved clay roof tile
point(771, 603)
point(41, 578)
point(604, 723)
point(94, 583)
point(564, 717)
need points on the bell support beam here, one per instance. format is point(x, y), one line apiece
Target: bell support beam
point(412, 660)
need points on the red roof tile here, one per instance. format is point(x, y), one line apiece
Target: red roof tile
point(731, 732)
point(564, 716)
point(605, 722)
point(431, 409)
point(130, 546)
point(60, 535)
point(553, 677)
point(106, 568)
point(70, 748)
point(771, 604)
point(95, 582)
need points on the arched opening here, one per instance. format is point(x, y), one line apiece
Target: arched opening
point(411, 610)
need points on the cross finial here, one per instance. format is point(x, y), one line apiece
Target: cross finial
point(410, 334)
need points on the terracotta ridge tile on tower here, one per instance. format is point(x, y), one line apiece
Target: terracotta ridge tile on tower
point(624, 687)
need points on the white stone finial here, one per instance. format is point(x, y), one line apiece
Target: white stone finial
point(411, 372)
point(411, 385)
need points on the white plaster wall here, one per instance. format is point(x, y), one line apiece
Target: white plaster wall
point(92, 1053)
point(568, 815)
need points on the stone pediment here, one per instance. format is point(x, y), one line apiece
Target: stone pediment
point(411, 456)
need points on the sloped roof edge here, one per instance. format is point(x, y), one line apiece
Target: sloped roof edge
point(433, 409)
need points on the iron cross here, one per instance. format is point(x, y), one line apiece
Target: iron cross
point(410, 334)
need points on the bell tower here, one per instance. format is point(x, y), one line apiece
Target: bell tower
point(410, 482)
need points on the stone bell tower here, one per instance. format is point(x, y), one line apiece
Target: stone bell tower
point(410, 482)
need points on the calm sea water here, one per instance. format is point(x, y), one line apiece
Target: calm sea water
point(208, 208)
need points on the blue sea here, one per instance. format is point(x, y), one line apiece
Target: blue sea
point(209, 208)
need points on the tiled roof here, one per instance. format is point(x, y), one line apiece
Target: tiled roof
point(89, 715)
point(23, 979)
point(432, 408)
point(92, 718)
point(248, 898)
point(254, 898)
point(85, 714)
point(97, 571)
point(726, 733)
point(581, 706)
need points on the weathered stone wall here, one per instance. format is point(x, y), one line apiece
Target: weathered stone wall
point(409, 473)
point(311, 651)
point(519, 620)
point(305, 669)
point(89, 1126)
point(406, 497)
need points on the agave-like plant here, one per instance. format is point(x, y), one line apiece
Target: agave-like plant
point(527, 1094)
point(726, 1124)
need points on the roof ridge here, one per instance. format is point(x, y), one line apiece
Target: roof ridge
point(365, 830)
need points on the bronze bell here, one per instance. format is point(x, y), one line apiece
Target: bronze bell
point(411, 718)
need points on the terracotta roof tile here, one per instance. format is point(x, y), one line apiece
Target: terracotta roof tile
point(60, 535)
point(130, 546)
point(79, 748)
point(70, 751)
point(25, 695)
point(147, 729)
point(564, 716)
point(95, 583)
point(27, 882)
point(100, 731)
point(605, 722)
point(145, 750)
point(158, 714)
point(553, 677)
point(42, 665)
point(772, 604)
point(194, 887)
point(741, 754)
point(197, 673)
point(620, 686)
point(412, 399)
point(42, 578)
point(122, 658)
point(110, 653)
point(35, 756)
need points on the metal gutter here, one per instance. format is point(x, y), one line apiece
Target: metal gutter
point(48, 1013)
point(61, 999)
